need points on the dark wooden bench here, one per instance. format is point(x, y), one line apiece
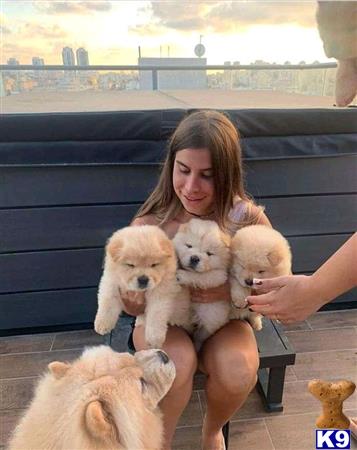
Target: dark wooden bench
point(275, 353)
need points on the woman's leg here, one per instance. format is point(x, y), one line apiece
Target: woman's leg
point(180, 349)
point(230, 359)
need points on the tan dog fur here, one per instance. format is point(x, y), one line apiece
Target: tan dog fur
point(103, 400)
point(258, 251)
point(131, 254)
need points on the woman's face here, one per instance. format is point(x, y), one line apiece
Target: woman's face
point(193, 180)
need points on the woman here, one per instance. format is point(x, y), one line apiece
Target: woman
point(202, 177)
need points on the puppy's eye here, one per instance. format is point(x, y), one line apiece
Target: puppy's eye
point(261, 271)
point(129, 265)
point(155, 264)
point(188, 245)
point(209, 254)
point(143, 384)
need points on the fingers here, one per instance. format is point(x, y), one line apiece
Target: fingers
point(265, 310)
point(261, 299)
point(269, 284)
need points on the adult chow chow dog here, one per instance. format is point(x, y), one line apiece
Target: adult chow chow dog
point(258, 251)
point(103, 400)
point(204, 256)
point(142, 258)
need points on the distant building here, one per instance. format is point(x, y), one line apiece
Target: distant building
point(82, 57)
point(173, 79)
point(36, 61)
point(68, 56)
point(13, 62)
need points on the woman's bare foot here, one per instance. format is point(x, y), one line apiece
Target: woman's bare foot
point(346, 81)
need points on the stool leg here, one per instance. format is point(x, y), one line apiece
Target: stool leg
point(225, 431)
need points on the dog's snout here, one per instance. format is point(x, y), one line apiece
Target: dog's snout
point(143, 281)
point(164, 358)
point(194, 260)
point(249, 281)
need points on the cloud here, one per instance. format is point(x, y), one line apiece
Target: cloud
point(226, 16)
point(30, 29)
point(70, 7)
point(256, 13)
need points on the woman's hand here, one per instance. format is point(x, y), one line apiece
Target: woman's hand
point(211, 295)
point(288, 299)
point(134, 302)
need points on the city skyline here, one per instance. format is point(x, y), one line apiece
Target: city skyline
point(112, 31)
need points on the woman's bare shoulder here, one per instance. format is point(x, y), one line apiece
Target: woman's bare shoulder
point(255, 213)
point(148, 219)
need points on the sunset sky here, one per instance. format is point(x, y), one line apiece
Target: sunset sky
point(111, 31)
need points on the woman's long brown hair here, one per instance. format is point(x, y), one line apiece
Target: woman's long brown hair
point(201, 129)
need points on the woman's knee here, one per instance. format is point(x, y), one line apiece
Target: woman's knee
point(236, 375)
point(180, 349)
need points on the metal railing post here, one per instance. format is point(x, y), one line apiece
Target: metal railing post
point(154, 80)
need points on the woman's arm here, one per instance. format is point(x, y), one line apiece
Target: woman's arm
point(295, 297)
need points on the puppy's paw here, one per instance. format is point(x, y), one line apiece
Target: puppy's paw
point(256, 322)
point(239, 303)
point(103, 326)
point(181, 276)
point(154, 338)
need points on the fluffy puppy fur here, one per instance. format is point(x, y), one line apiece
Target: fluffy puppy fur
point(257, 251)
point(103, 400)
point(204, 256)
point(142, 258)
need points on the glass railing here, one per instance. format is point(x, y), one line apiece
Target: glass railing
point(26, 88)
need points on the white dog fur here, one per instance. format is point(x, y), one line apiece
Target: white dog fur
point(142, 258)
point(102, 401)
point(203, 253)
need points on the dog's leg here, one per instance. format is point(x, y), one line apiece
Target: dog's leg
point(255, 320)
point(109, 305)
point(158, 311)
point(238, 293)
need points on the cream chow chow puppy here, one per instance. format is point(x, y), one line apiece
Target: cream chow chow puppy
point(257, 251)
point(102, 401)
point(204, 256)
point(142, 258)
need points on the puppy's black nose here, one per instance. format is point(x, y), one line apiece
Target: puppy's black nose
point(164, 358)
point(143, 281)
point(248, 282)
point(194, 260)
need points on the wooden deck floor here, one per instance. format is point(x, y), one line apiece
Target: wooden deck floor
point(325, 345)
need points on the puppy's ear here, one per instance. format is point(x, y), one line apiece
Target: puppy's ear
point(167, 247)
point(275, 257)
point(114, 246)
point(58, 369)
point(226, 239)
point(98, 421)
